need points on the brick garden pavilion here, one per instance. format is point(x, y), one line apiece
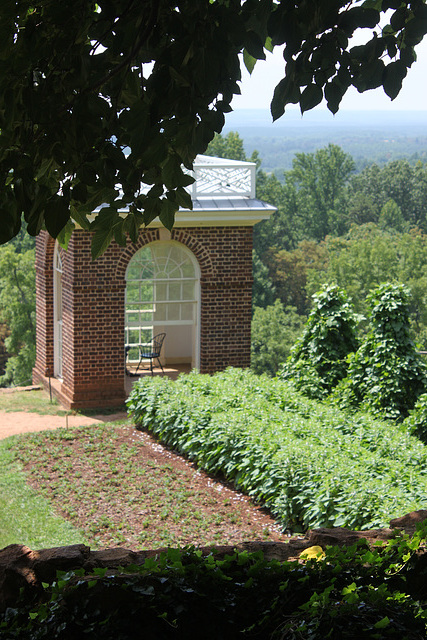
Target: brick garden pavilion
point(194, 283)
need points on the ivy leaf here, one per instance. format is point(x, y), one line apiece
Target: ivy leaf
point(382, 624)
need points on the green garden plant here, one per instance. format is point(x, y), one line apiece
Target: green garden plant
point(308, 462)
point(318, 360)
point(386, 374)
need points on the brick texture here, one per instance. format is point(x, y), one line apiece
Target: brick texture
point(94, 300)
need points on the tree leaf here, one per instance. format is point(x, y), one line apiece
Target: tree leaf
point(287, 91)
point(254, 45)
point(56, 214)
point(393, 78)
point(310, 97)
point(249, 61)
point(101, 241)
point(334, 92)
point(183, 198)
point(167, 213)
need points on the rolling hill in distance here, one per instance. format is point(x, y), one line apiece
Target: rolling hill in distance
point(368, 136)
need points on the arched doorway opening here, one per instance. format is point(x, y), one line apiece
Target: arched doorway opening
point(57, 317)
point(163, 295)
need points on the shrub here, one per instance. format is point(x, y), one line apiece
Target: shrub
point(416, 422)
point(318, 360)
point(386, 374)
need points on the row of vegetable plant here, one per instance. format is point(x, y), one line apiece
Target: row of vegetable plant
point(310, 463)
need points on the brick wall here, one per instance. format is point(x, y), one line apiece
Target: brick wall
point(226, 294)
point(93, 309)
point(45, 246)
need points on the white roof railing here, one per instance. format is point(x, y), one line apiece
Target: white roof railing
point(221, 177)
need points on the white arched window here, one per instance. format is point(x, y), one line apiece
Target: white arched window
point(57, 318)
point(162, 293)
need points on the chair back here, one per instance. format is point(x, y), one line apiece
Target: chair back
point(157, 343)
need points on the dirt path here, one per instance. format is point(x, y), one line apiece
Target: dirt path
point(13, 422)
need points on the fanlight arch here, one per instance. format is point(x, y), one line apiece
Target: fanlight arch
point(163, 295)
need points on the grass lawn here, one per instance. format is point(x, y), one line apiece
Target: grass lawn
point(34, 401)
point(38, 401)
point(26, 517)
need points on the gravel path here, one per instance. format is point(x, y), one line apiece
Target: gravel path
point(13, 422)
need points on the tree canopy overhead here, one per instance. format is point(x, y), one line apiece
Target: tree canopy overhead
point(111, 95)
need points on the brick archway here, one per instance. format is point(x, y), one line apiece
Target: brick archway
point(198, 248)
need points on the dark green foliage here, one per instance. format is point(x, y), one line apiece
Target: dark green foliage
point(309, 463)
point(263, 293)
point(353, 593)
point(416, 422)
point(319, 357)
point(386, 374)
point(398, 183)
point(18, 311)
point(273, 332)
point(368, 256)
point(318, 183)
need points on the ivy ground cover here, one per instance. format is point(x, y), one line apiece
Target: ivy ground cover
point(310, 463)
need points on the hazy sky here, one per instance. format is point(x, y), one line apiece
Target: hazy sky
point(257, 90)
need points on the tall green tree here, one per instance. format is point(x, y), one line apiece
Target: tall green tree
point(318, 181)
point(274, 331)
point(230, 146)
point(397, 184)
point(386, 374)
point(368, 256)
point(84, 121)
point(17, 312)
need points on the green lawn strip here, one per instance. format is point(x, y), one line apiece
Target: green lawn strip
point(310, 463)
point(34, 401)
point(38, 401)
point(25, 516)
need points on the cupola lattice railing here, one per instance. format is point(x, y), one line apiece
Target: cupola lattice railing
point(220, 177)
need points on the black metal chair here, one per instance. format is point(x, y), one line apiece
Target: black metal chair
point(151, 352)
